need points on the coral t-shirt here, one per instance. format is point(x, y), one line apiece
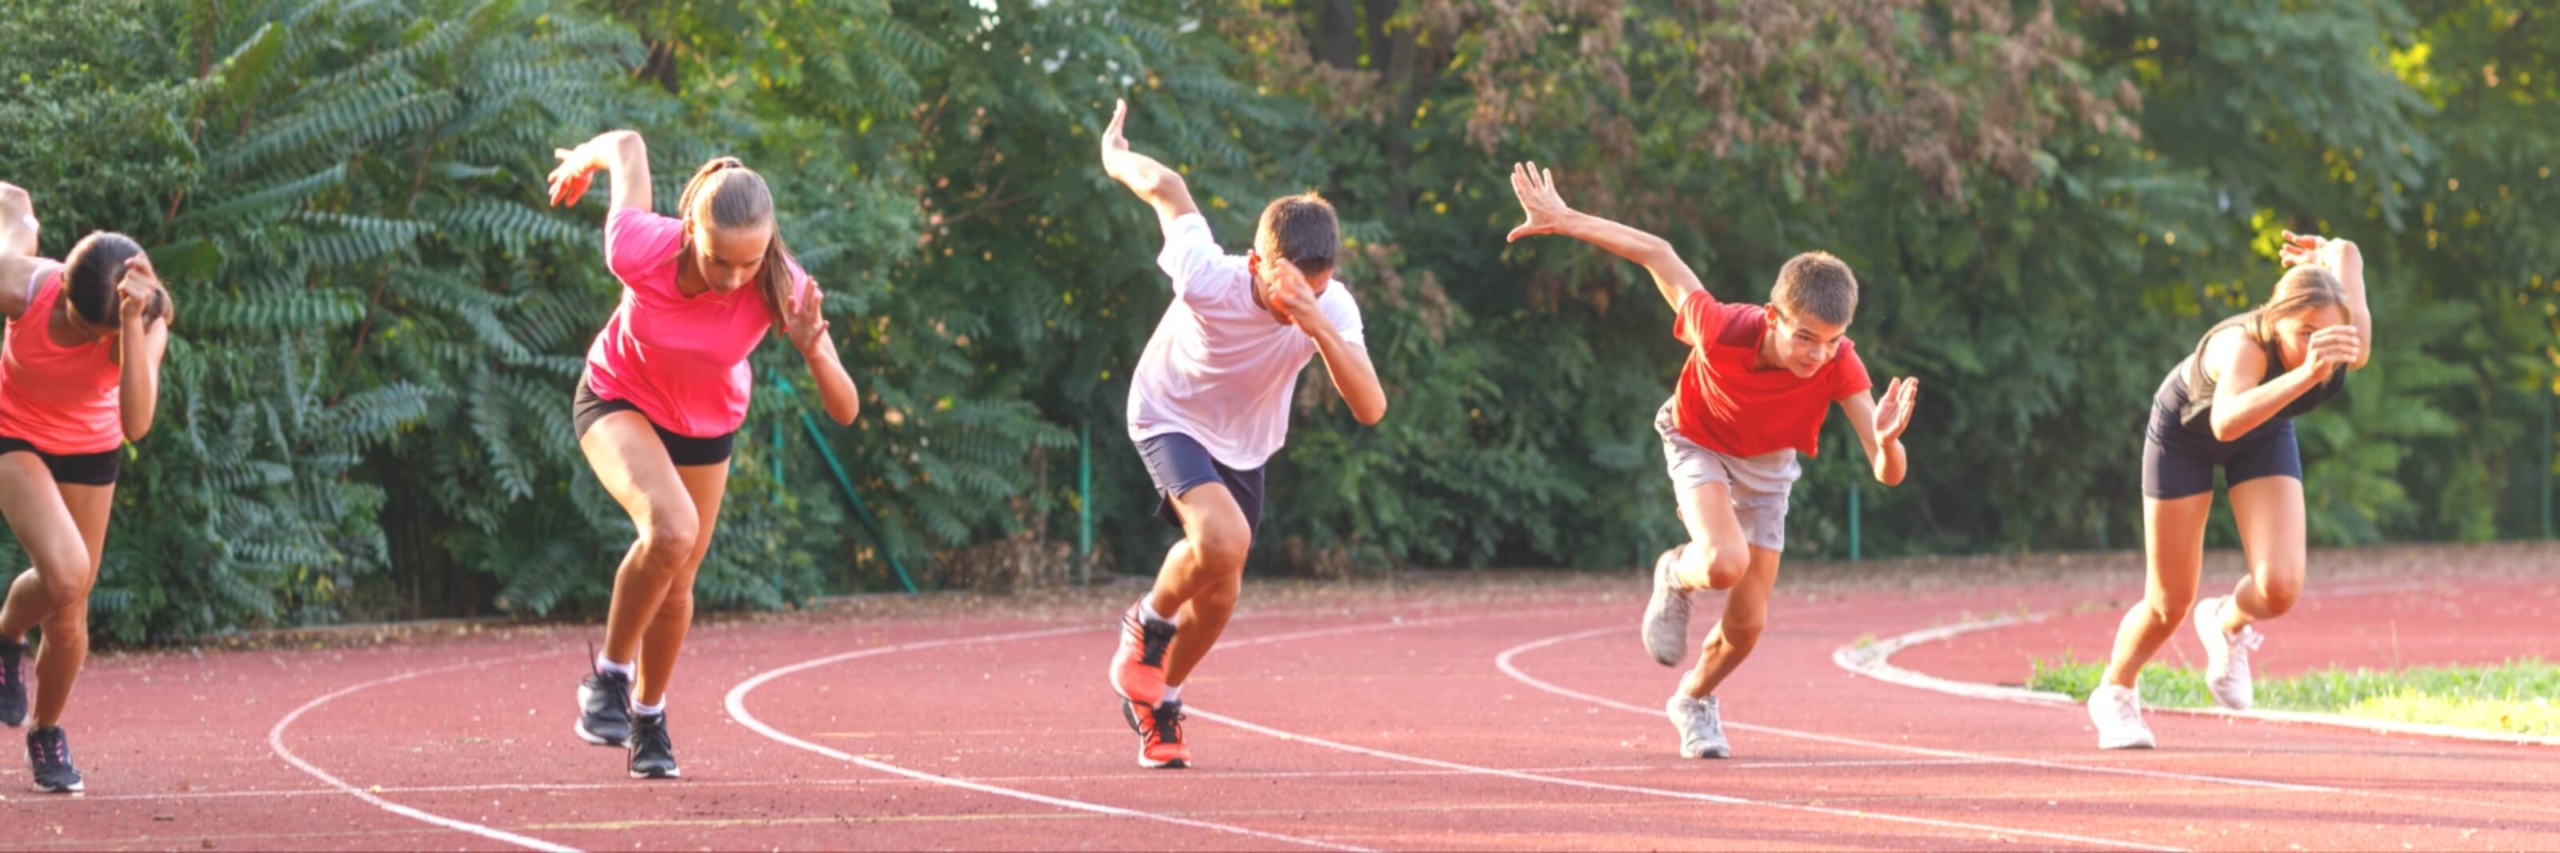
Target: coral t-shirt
point(1728, 405)
point(681, 359)
point(60, 399)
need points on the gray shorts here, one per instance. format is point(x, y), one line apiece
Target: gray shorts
point(1759, 483)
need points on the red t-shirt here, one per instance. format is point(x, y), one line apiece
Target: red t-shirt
point(1728, 406)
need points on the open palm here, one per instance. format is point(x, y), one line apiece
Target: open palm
point(1536, 188)
point(1893, 413)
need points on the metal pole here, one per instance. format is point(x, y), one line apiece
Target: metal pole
point(1084, 489)
point(2551, 465)
point(1853, 523)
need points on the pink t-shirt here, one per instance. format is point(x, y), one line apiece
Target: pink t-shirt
point(60, 399)
point(1219, 368)
point(682, 360)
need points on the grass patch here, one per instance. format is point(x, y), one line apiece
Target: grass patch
point(2513, 697)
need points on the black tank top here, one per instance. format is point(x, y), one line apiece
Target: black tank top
point(2187, 395)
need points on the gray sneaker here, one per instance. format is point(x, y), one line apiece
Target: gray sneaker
point(1666, 617)
point(1701, 729)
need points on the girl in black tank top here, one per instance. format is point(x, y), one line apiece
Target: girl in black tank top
point(2230, 405)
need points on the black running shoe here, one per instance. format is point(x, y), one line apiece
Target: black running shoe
point(604, 708)
point(13, 683)
point(653, 756)
point(49, 753)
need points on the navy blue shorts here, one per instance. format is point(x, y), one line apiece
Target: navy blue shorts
point(2178, 463)
point(1179, 464)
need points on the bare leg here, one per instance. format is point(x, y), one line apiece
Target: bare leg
point(2174, 544)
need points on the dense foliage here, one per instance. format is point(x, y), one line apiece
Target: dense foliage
point(367, 409)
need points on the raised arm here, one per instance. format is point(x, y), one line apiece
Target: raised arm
point(18, 261)
point(1880, 426)
point(619, 151)
point(1160, 187)
point(2341, 257)
point(1547, 214)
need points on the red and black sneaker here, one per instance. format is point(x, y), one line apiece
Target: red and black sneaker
point(1159, 729)
point(1137, 670)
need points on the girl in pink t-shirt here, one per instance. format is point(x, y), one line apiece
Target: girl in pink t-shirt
point(79, 376)
point(664, 393)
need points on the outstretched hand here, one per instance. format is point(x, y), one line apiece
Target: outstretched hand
point(1893, 412)
point(569, 181)
point(1536, 188)
point(2299, 249)
point(803, 321)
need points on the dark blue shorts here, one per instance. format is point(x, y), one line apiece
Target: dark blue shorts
point(1179, 464)
point(2177, 463)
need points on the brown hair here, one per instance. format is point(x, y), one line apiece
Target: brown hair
point(1302, 230)
point(1817, 285)
point(735, 196)
point(92, 271)
point(2303, 289)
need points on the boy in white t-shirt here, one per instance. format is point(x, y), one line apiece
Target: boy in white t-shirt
point(1209, 405)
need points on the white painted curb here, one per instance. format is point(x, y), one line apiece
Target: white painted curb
point(1875, 660)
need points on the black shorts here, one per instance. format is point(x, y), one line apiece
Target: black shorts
point(1178, 464)
point(80, 469)
point(686, 451)
point(2178, 463)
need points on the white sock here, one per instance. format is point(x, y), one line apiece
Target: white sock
point(657, 710)
point(627, 670)
point(1172, 694)
point(1149, 611)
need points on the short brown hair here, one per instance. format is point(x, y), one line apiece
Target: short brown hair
point(1302, 230)
point(1817, 285)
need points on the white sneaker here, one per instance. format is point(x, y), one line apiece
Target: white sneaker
point(1701, 728)
point(2226, 656)
point(2117, 711)
point(1666, 616)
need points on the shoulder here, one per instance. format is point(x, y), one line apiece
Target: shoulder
point(1738, 324)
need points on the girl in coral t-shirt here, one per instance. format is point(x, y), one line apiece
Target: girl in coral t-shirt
point(79, 377)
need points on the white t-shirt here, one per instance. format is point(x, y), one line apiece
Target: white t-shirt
point(1221, 369)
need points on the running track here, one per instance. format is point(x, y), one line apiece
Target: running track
point(1527, 718)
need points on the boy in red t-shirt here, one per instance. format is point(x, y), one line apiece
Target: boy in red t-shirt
point(1758, 381)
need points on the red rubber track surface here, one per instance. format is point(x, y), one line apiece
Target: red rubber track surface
point(1435, 719)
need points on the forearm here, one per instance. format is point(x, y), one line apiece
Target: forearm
point(2235, 415)
point(1671, 275)
point(18, 236)
point(625, 157)
point(1154, 183)
point(1354, 377)
point(836, 390)
point(138, 382)
point(1889, 462)
point(2351, 277)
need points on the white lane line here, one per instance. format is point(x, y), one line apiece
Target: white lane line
point(737, 705)
point(275, 742)
point(1505, 662)
point(1875, 660)
point(1993, 831)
